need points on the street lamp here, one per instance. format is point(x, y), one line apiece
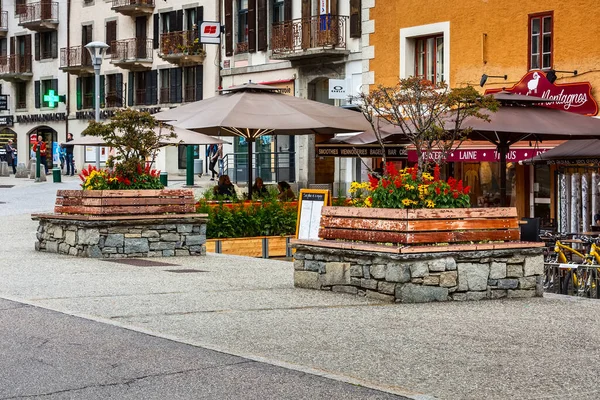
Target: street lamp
point(97, 50)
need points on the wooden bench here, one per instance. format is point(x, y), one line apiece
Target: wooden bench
point(125, 202)
point(419, 226)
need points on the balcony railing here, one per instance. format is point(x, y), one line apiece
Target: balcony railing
point(114, 98)
point(323, 32)
point(133, 7)
point(189, 94)
point(40, 16)
point(132, 53)
point(182, 47)
point(3, 23)
point(165, 95)
point(76, 60)
point(140, 97)
point(15, 66)
point(88, 100)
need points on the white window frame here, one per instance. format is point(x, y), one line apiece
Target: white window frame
point(407, 47)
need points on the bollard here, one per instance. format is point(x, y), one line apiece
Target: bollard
point(164, 178)
point(56, 172)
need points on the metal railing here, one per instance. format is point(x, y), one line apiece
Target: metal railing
point(131, 49)
point(189, 94)
point(15, 64)
point(42, 11)
point(271, 167)
point(181, 42)
point(140, 97)
point(3, 20)
point(75, 56)
point(124, 3)
point(321, 31)
point(88, 100)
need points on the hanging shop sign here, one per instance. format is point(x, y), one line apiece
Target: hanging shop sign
point(573, 97)
point(3, 102)
point(481, 155)
point(6, 120)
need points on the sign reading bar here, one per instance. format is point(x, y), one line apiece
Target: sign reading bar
point(479, 155)
point(310, 203)
point(372, 151)
point(573, 97)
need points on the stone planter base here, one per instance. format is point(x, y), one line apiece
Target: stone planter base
point(421, 277)
point(118, 237)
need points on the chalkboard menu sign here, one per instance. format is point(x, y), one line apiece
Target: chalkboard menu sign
point(310, 203)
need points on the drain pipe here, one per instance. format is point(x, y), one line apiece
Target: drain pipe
point(68, 94)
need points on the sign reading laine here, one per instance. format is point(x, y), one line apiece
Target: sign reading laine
point(573, 97)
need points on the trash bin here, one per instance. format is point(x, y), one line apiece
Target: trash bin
point(530, 230)
point(164, 178)
point(198, 167)
point(56, 172)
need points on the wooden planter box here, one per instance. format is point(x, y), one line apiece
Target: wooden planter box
point(124, 202)
point(419, 226)
point(260, 246)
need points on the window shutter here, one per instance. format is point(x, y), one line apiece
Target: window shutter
point(54, 44)
point(333, 7)
point(179, 26)
point(152, 88)
point(355, 20)
point(37, 47)
point(130, 85)
point(119, 89)
point(12, 46)
point(55, 86)
point(37, 94)
point(287, 10)
point(262, 25)
point(251, 26)
point(228, 27)
point(199, 16)
point(78, 88)
point(306, 14)
point(175, 85)
point(27, 45)
point(172, 21)
point(156, 38)
point(199, 81)
point(179, 74)
point(111, 34)
point(102, 92)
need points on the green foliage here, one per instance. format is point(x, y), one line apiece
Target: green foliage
point(248, 219)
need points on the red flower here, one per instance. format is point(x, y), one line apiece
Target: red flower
point(459, 187)
point(398, 182)
point(139, 169)
point(445, 190)
point(414, 174)
point(385, 183)
point(390, 168)
point(391, 191)
point(126, 181)
point(455, 194)
point(374, 181)
point(437, 191)
point(436, 173)
point(452, 182)
point(467, 189)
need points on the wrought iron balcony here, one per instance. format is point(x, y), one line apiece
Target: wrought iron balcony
point(39, 17)
point(133, 8)
point(3, 23)
point(133, 54)
point(76, 60)
point(318, 36)
point(15, 67)
point(182, 48)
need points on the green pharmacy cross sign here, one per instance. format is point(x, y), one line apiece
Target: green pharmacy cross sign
point(53, 99)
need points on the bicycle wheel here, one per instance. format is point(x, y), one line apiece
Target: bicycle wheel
point(550, 272)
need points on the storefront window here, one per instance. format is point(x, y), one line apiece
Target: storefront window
point(484, 180)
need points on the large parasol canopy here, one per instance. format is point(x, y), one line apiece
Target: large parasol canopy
point(252, 110)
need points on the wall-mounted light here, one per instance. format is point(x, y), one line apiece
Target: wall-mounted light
point(485, 77)
point(551, 75)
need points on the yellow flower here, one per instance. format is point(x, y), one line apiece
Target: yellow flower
point(408, 202)
point(368, 202)
point(427, 176)
point(429, 204)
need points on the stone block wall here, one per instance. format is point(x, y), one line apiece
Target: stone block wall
point(425, 277)
point(118, 239)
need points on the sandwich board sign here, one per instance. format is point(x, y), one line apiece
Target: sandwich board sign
point(310, 204)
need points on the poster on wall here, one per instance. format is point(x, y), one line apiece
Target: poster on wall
point(90, 154)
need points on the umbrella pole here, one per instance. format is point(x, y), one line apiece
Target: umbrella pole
point(189, 165)
point(503, 149)
point(250, 169)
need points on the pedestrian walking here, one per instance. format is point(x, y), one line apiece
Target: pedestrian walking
point(41, 145)
point(69, 155)
point(213, 155)
point(10, 155)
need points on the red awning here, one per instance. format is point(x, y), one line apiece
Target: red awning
point(480, 152)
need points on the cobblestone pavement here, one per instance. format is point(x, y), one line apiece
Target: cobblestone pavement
point(544, 348)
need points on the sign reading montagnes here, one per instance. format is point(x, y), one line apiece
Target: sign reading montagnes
point(573, 97)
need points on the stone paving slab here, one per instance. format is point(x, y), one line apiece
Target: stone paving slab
point(522, 349)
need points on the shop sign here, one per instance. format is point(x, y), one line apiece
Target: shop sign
point(210, 32)
point(481, 155)
point(106, 114)
point(285, 87)
point(48, 117)
point(337, 89)
point(573, 97)
point(6, 120)
point(3, 102)
point(350, 151)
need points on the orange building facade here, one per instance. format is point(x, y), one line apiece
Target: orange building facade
point(459, 42)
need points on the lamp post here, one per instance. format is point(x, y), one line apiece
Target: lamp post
point(97, 50)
